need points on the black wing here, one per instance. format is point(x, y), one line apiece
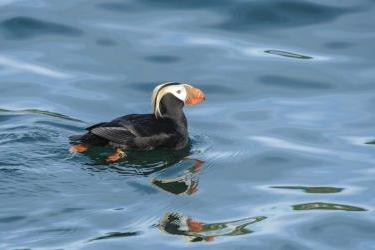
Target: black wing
point(138, 131)
point(118, 135)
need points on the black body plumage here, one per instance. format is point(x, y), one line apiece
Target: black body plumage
point(142, 131)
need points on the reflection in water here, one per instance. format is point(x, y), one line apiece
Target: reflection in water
point(187, 183)
point(317, 190)
point(287, 54)
point(194, 231)
point(371, 142)
point(326, 206)
point(137, 162)
point(116, 235)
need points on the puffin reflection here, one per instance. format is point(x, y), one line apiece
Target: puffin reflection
point(138, 162)
point(185, 182)
point(195, 231)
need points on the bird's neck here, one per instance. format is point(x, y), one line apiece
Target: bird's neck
point(172, 108)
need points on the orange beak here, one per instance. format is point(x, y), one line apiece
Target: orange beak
point(194, 96)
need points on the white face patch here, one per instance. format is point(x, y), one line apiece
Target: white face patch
point(179, 91)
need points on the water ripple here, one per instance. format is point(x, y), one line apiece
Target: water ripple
point(279, 143)
point(116, 235)
point(32, 68)
point(19, 28)
point(287, 54)
point(327, 206)
point(258, 15)
point(313, 190)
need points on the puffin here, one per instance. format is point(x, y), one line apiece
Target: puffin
point(165, 127)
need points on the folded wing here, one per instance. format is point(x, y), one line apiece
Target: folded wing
point(119, 135)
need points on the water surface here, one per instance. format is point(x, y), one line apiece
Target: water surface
point(278, 156)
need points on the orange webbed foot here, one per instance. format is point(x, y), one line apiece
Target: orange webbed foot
point(117, 155)
point(78, 148)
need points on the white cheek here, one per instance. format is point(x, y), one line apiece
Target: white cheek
point(181, 96)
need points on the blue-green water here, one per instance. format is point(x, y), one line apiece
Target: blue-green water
point(290, 104)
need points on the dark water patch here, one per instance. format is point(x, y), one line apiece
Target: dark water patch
point(191, 4)
point(370, 142)
point(287, 54)
point(19, 28)
point(12, 219)
point(163, 4)
point(7, 117)
point(259, 15)
point(9, 169)
point(106, 42)
point(327, 206)
point(313, 190)
point(338, 45)
point(162, 59)
point(293, 83)
point(71, 210)
point(113, 235)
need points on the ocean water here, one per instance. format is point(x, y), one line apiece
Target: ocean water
point(278, 157)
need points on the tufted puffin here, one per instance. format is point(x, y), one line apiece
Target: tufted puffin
point(165, 127)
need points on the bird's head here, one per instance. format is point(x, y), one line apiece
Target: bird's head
point(186, 93)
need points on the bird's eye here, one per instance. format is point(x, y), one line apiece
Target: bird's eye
point(178, 91)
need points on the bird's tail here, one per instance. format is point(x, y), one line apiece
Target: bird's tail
point(76, 138)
